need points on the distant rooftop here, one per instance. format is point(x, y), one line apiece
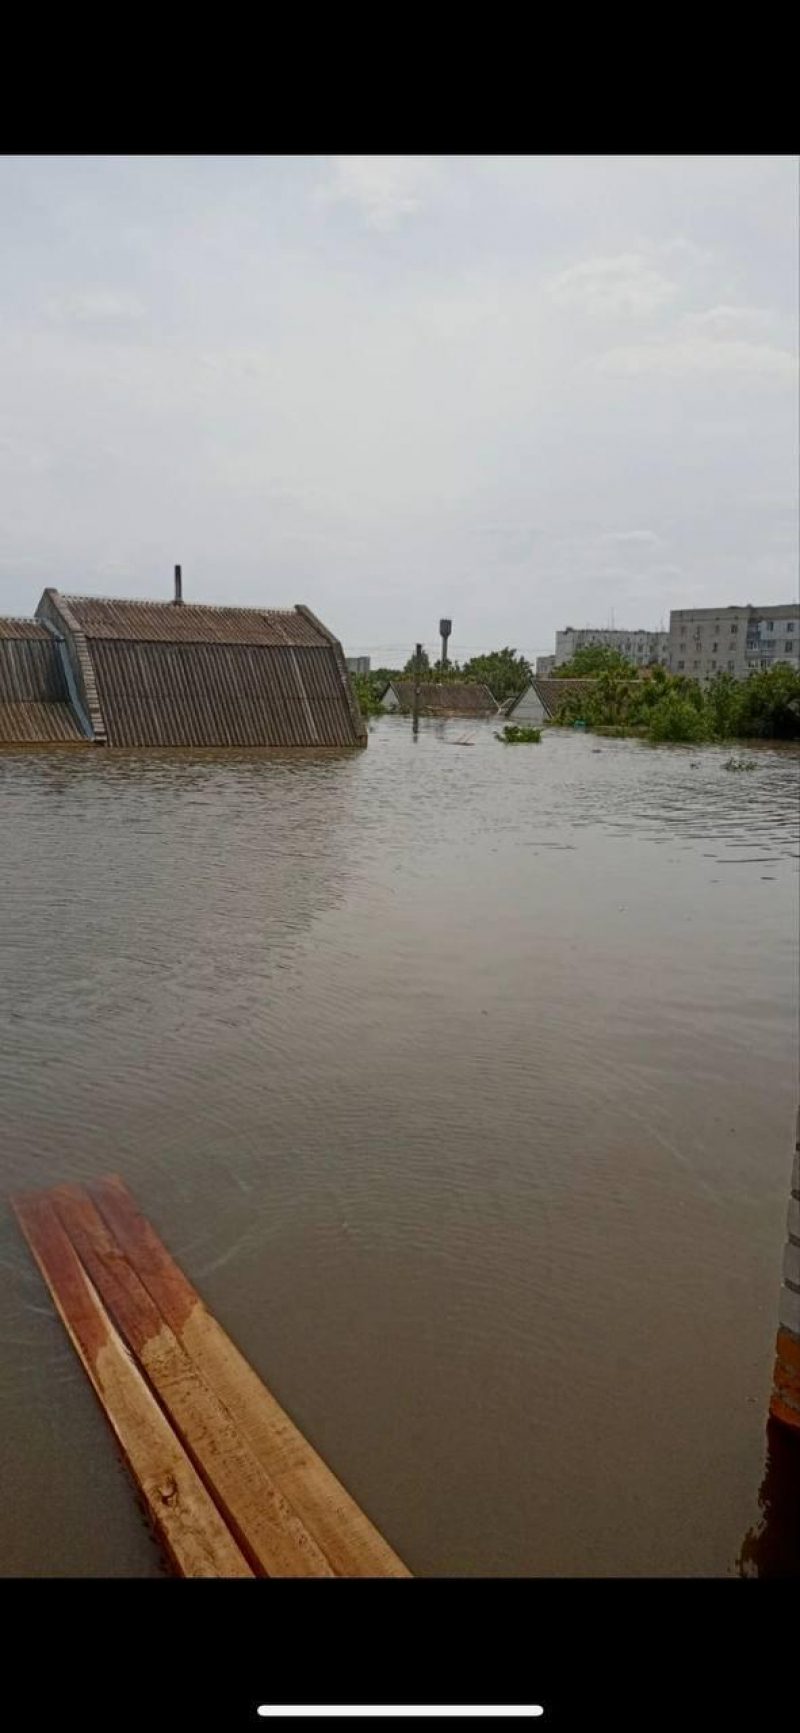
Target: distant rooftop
point(445, 698)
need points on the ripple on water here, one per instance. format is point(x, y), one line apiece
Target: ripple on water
point(464, 1089)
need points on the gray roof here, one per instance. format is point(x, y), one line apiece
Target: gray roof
point(553, 693)
point(445, 697)
point(146, 622)
point(34, 701)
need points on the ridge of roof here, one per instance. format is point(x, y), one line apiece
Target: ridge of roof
point(168, 602)
point(22, 625)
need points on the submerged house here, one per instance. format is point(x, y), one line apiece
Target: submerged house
point(35, 707)
point(439, 698)
point(541, 700)
point(149, 674)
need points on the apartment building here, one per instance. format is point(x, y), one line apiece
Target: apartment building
point(704, 642)
point(639, 646)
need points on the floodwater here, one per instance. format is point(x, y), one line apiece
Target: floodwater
point(462, 1081)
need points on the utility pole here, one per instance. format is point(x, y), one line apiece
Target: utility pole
point(417, 671)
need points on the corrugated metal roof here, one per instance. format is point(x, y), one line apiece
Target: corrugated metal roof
point(191, 623)
point(30, 670)
point(34, 701)
point(37, 724)
point(12, 628)
point(222, 694)
point(445, 698)
point(553, 693)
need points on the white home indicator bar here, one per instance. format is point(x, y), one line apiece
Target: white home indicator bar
point(400, 1711)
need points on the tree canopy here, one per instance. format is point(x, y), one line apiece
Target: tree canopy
point(660, 707)
point(424, 663)
point(594, 659)
point(503, 671)
point(673, 707)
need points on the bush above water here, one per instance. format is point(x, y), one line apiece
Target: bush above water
point(513, 735)
point(671, 707)
point(675, 718)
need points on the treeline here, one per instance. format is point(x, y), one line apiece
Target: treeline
point(503, 671)
point(626, 700)
point(662, 706)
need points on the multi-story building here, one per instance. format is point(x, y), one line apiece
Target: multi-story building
point(545, 664)
point(640, 647)
point(704, 642)
point(357, 664)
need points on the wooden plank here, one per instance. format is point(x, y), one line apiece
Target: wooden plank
point(351, 1542)
point(185, 1518)
point(261, 1519)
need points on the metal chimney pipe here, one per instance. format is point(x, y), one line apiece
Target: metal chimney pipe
point(178, 587)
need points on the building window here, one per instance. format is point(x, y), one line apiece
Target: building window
point(734, 629)
point(683, 631)
point(695, 664)
point(714, 663)
point(715, 646)
point(731, 666)
point(770, 625)
point(681, 664)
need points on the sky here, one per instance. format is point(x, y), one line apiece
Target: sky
point(523, 392)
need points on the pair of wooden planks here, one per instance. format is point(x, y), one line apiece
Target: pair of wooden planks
point(232, 1487)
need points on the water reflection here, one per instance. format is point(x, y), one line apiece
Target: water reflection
point(444, 1073)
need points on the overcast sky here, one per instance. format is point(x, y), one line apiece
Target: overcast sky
point(521, 391)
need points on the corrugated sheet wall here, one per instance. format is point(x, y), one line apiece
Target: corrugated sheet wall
point(34, 707)
point(167, 694)
point(32, 724)
point(31, 671)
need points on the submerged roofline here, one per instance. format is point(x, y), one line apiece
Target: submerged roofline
point(354, 708)
point(95, 693)
point(55, 613)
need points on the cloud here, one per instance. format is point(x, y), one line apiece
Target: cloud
point(694, 353)
point(384, 189)
point(321, 377)
point(610, 287)
point(97, 307)
point(729, 322)
point(644, 538)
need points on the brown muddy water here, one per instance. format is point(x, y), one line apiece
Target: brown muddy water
point(462, 1082)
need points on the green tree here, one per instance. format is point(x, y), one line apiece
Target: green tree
point(503, 671)
point(723, 701)
point(367, 693)
point(676, 717)
point(424, 663)
point(453, 671)
point(594, 659)
point(768, 705)
point(612, 698)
